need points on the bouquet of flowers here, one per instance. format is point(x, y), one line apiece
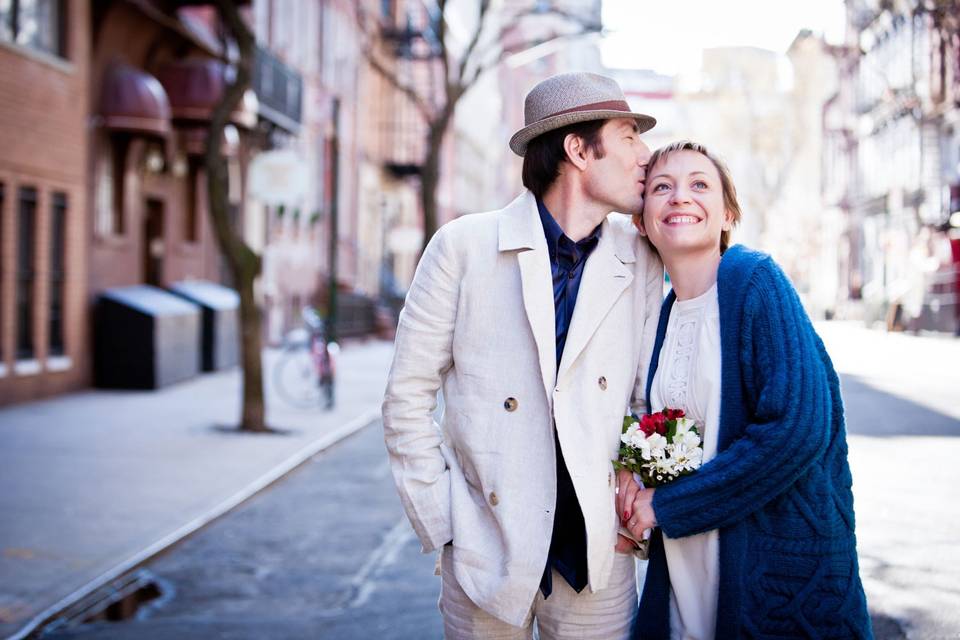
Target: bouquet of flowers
point(659, 447)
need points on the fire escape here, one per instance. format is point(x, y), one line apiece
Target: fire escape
point(408, 35)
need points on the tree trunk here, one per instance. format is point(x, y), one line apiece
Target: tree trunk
point(429, 181)
point(254, 409)
point(241, 260)
point(430, 173)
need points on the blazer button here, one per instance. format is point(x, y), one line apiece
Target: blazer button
point(610, 479)
point(494, 500)
point(602, 382)
point(510, 404)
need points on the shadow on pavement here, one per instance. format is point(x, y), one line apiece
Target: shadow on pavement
point(867, 416)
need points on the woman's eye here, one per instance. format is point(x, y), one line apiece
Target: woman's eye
point(700, 184)
point(657, 187)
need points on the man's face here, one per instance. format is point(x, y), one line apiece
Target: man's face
point(617, 179)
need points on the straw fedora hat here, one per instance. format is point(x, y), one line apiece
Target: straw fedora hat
point(567, 98)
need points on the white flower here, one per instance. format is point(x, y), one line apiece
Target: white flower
point(642, 445)
point(689, 439)
point(658, 445)
point(686, 433)
point(665, 466)
point(628, 436)
point(686, 458)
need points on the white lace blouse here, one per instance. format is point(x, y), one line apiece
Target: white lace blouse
point(688, 378)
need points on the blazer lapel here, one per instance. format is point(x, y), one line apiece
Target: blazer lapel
point(605, 276)
point(520, 230)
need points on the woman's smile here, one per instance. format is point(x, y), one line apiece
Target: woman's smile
point(675, 219)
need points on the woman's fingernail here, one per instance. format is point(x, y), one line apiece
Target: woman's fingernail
point(626, 515)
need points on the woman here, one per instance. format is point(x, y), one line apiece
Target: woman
point(759, 542)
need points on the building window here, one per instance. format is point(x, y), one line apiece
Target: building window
point(26, 235)
point(58, 251)
point(37, 24)
point(111, 167)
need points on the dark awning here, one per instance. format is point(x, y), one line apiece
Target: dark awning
point(196, 86)
point(133, 100)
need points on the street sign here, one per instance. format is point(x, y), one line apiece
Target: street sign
point(279, 177)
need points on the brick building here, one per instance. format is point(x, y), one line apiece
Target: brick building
point(103, 115)
point(44, 58)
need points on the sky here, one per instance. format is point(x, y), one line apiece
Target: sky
point(669, 37)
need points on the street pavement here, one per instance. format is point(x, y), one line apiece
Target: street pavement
point(327, 553)
point(902, 396)
point(94, 482)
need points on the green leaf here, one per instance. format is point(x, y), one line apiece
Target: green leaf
point(671, 430)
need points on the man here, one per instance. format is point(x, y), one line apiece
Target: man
point(516, 485)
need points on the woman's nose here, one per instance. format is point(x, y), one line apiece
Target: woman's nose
point(680, 194)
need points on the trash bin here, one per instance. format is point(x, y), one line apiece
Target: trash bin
point(220, 309)
point(144, 338)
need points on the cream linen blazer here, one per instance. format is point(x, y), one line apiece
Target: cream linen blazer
point(478, 325)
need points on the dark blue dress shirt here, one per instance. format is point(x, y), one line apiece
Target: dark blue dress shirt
point(568, 546)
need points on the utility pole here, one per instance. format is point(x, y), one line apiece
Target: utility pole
point(334, 222)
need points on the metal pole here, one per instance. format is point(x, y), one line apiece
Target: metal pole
point(334, 222)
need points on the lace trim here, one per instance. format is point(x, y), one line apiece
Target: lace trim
point(678, 380)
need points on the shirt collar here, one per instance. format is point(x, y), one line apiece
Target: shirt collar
point(554, 233)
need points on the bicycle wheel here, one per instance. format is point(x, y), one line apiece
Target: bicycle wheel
point(295, 376)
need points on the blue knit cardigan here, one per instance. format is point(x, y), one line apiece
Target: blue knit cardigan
point(779, 488)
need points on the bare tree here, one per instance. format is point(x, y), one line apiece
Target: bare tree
point(485, 49)
point(244, 264)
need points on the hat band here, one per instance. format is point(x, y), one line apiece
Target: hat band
point(609, 105)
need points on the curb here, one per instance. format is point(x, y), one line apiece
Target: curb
point(45, 617)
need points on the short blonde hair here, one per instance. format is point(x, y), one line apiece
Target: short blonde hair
point(730, 202)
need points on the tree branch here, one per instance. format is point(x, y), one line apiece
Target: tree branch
point(483, 66)
point(407, 90)
point(472, 45)
point(217, 178)
point(442, 38)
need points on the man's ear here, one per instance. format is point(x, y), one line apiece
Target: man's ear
point(575, 149)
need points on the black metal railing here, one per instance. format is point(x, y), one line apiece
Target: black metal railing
point(279, 90)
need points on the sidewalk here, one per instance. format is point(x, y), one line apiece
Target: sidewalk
point(93, 483)
point(894, 362)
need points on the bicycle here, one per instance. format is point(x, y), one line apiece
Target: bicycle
point(305, 373)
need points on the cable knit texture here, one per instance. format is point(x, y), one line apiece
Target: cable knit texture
point(779, 489)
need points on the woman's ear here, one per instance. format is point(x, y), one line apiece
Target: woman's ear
point(638, 223)
point(727, 221)
point(575, 150)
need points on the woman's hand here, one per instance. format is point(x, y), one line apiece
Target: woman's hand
point(627, 490)
point(643, 517)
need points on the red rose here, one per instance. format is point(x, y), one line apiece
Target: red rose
point(674, 414)
point(659, 423)
point(648, 424)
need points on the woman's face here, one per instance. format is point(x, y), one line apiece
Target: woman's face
point(683, 208)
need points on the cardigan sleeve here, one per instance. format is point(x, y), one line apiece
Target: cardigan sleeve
point(786, 384)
